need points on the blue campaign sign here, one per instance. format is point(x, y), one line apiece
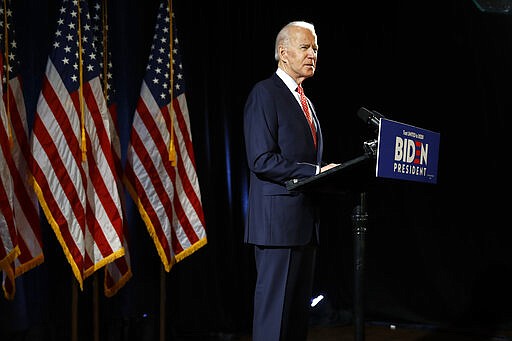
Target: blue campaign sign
point(406, 152)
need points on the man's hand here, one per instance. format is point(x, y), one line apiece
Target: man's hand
point(329, 166)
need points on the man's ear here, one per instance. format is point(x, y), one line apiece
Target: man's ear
point(282, 53)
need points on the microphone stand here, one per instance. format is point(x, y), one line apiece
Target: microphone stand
point(359, 227)
point(359, 222)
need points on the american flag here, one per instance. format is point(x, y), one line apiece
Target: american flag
point(118, 272)
point(9, 249)
point(25, 205)
point(166, 193)
point(73, 161)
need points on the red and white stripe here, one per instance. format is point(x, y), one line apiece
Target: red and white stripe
point(9, 250)
point(118, 272)
point(80, 198)
point(26, 207)
point(168, 197)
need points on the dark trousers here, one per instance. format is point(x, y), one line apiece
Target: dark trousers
point(283, 292)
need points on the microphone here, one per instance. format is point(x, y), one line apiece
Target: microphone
point(370, 117)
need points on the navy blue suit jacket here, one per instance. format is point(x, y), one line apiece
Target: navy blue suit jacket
point(279, 147)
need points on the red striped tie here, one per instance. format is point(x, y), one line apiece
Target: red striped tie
point(305, 108)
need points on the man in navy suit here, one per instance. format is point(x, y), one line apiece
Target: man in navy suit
point(283, 225)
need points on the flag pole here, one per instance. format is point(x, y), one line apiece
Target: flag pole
point(95, 304)
point(74, 310)
point(172, 147)
point(84, 158)
point(81, 88)
point(172, 158)
point(162, 303)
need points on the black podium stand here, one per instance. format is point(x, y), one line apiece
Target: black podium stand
point(352, 176)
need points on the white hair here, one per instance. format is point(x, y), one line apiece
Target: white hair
point(284, 35)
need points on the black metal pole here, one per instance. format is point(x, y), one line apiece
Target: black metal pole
point(359, 221)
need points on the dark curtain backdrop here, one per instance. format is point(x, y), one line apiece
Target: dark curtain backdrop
point(436, 254)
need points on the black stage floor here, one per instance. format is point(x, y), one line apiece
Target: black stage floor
point(379, 331)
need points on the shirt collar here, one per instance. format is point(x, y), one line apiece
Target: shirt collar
point(287, 79)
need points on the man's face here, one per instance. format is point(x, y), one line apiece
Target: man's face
point(301, 53)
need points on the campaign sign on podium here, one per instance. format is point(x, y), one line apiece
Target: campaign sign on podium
point(407, 152)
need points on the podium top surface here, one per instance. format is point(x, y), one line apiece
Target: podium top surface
point(353, 174)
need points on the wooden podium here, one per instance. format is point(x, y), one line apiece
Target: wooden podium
point(349, 177)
